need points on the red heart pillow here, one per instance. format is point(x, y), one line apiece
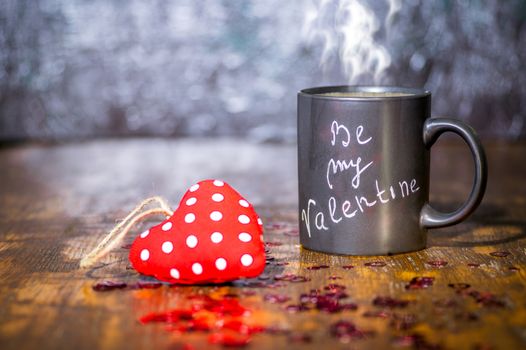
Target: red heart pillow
point(214, 236)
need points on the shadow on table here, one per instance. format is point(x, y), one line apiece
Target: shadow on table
point(489, 225)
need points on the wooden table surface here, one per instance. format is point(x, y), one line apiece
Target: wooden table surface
point(58, 201)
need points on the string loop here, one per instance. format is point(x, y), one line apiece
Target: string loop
point(116, 235)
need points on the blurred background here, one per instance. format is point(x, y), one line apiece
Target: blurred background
point(76, 69)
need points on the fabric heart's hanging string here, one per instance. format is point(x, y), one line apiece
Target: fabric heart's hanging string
point(116, 235)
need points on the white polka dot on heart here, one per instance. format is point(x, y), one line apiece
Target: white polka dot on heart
point(167, 247)
point(216, 237)
point(191, 201)
point(191, 241)
point(194, 188)
point(259, 221)
point(221, 264)
point(216, 215)
point(243, 219)
point(218, 183)
point(243, 203)
point(246, 260)
point(145, 234)
point(217, 197)
point(167, 226)
point(174, 273)
point(189, 218)
point(244, 237)
point(197, 268)
point(145, 254)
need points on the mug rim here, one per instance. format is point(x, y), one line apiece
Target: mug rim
point(317, 92)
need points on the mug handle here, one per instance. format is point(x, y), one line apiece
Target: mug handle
point(433, 128)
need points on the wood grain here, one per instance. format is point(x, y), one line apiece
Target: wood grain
point(57, 201)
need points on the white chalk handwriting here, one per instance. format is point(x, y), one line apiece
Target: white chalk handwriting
point(336, 166)
point(352, 169)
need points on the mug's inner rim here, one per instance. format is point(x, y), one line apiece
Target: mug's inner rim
point(327, 91)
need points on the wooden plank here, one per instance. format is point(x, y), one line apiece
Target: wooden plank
point(57, 201)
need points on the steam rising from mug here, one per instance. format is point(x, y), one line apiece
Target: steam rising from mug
point(347, 31)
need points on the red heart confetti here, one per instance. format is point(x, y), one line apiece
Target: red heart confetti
point(214, 236)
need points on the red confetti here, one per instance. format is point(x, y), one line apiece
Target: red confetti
point(105, 286)
point(241, 327)
point(335, 278)
point(290, 277)
point(269, 259)
point(229, 340)
point(223, 317)
point(346, 331)
point(420, 283)
point(226, 306)
point(502, 254)
point(276, 298)
point(377, 314)
point(329, 301)
point(293, 308)
point(486, 299)
point(437, 263)
point(248, 293)
point(273, 244)
point(416, 341)
point(318, 267)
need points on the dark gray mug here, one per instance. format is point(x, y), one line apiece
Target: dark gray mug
point(363, 167)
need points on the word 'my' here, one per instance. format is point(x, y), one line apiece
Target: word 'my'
point(337, 166)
